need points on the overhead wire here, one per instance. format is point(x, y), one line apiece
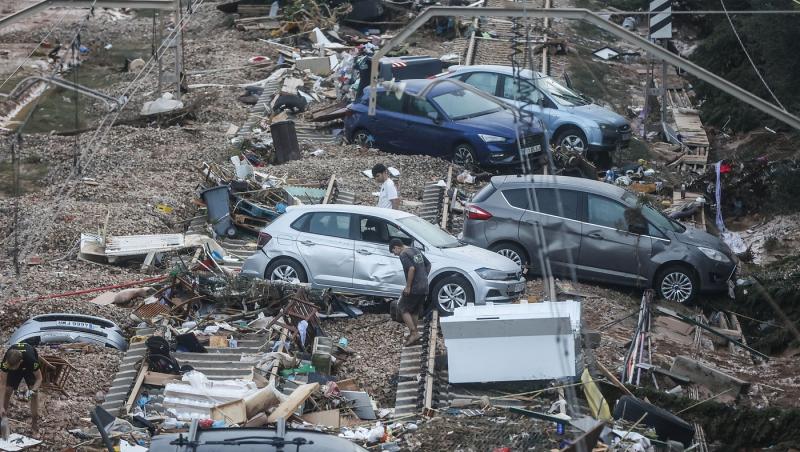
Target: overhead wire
point(747, 54)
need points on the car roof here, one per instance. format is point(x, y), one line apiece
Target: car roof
point(565, 182)
point(507, 70)
point(347, 208)
point(415, 86)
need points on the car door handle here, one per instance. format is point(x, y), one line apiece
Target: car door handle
point(363, 251)
point(595, 235)
point(307, 243)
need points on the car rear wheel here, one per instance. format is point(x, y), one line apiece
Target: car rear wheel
point(464, 155)
point(452, 292)
point(362, 137)
point(286, 270)
point(513, 252)
point(677, 283)
point(573, 140)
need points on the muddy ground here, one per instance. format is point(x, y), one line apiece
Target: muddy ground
point(130, 170)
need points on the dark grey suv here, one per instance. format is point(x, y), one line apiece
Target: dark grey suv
point(595, 231)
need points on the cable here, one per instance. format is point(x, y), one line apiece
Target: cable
point(27, 58)
point(735, 33)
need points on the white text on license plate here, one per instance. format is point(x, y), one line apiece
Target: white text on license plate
point(84, 325)
point(531, 150)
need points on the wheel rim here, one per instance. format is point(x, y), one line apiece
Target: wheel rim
point(452, 296)
point(362, 138)
point(676, 286)
point(573, 143)
point(462, 156)
point(284, 273)
point(511, 254)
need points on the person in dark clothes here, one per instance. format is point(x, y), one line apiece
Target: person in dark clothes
point(21, 362)
point(415, 268)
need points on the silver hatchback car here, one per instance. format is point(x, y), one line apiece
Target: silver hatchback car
point(592, 230)
point(346, 248)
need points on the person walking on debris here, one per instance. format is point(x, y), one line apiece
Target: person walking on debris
point(415, 268)
point(20, 362)
point(388, 198)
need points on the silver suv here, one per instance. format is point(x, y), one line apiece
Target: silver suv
point(346, 248)
point(591, 230)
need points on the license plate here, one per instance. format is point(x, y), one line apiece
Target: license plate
point(84, 325)
point(531, 150)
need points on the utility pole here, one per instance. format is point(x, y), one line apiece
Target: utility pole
point(15, 169)
point(178, 41)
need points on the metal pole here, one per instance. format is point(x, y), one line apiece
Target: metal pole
point(178, 40)
point(664, 86)
point(588, 16)
point(160, 42)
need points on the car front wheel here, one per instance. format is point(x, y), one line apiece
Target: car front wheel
point(452, 292)
point(362, 138)
point(464, 155)
point(677, 283)
point(286, 270)
point(572, 140)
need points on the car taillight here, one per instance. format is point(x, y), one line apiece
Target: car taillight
point(263, 239)
point(476, 213)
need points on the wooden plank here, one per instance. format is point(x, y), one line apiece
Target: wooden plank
point(446, 198)
point(136, 387)
point(329, 418)
point(613, 379)
point(329, 190)
point(159, 379)
point(429, 377)
point(297, 398)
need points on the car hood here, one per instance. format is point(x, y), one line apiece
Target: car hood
point(598, 113)
point(500, 123)
point(480, 258)
point(696, 237)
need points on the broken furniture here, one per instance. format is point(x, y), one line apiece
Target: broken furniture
point(511, 342)
point(55, 372)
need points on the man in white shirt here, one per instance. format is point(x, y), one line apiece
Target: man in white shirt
point(388, 199)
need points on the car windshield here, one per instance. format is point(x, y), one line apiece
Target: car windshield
point(429, 232)
point(465, 104)
point(560, 93)
point(654, 215)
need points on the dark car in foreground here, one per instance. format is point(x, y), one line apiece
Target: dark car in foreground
point(444, 118)
point(592, 230)
point(251, 440)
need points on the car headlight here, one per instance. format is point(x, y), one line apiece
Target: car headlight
point(604, 127)
point(491, 274)
point(490, 138)
point(713, 254)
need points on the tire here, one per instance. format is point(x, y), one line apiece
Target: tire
point(677, 283)
point(513, 252)
point(362, 137)
point(667, 425)
point(452, 292)
point(464, 155)
point(284, 269)
point(572, 139)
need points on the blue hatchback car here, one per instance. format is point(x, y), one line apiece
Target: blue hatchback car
point(445, 118)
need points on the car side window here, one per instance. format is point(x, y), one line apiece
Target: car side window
point(301, 224)
point(390, 102)
point(605, 212)
point(374, 230)
point(484, 81)
point(560, 203)
point(331, 224)
point(514, 89)
point(419, 106)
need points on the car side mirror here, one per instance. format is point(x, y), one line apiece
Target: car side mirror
point(540, 102)
point(434, 117)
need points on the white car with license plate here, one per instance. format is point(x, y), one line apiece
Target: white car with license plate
point(346, 248)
